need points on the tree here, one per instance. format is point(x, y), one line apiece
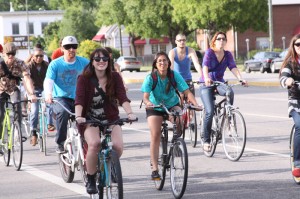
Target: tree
point(20, 5)
point(216, 15)
point(86, 47)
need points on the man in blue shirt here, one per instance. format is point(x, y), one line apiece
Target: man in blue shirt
point(60, 83)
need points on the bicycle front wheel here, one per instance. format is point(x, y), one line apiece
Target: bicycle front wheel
point(234, 136)
point(17, 146)
point(192, 126)
point(115, 190)
point(5, 146)
point(297, 180)
point(45, 133)
point(179, 168)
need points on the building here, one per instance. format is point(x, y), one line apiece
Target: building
point(286, 23)
point(13, 27)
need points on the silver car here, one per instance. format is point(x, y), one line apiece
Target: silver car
point(277, 62)
point(261, 61)
point(129, 63)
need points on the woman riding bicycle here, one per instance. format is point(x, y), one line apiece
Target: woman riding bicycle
point(215, 62)
point(98, 93)
point(163, 92)
point(289, 73)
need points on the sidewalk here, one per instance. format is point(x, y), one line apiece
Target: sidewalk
point(253, 78)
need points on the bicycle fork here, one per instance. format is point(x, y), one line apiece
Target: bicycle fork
point(6, 123)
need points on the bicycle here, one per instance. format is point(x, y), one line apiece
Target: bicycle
point(11, 137)
point(189, 118)
point(176, 158)
point(43, 131)
point(228, 125)
point(109, 173)
point(75, 147)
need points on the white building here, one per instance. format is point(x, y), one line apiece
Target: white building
point(13, 27)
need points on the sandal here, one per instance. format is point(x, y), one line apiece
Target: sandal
point(51, 127)
point(206, 147)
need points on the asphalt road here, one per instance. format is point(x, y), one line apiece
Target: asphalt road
point(262, 172)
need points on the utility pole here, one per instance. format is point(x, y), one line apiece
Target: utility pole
point(271, 39)
point(28, 37)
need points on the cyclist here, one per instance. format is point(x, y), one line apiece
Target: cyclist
point(289, 73)
point(163, 92)
point(215, 62)
point(181, 57)
point(38, 68)
point(98, 90)
point(60, 83)
point(12, 70)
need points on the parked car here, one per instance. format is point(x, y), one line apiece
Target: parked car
point(129, 63)
point(261, 61)
point(277, 62)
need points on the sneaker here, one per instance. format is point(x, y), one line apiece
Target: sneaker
point(206, 147)
point(296, 172)
point(155, 175)
point(60, 148)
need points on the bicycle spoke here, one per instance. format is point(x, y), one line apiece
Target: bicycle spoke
point(17, 147)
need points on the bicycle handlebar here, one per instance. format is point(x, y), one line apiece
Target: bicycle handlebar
point(66, 109)
point(192, 107)
point(173, 112)
point(105, 123)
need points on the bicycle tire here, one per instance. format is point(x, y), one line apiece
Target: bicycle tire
point(45, 133)
point(297, 180)
point(234, 136)
point(5, 147)
point(40, 133)
point(17, 146)
point(192, 127)
point(185, 123)
point(116, 187)
point(162, 161)
point(178, 168)
point(213, 139)
point(82, 163)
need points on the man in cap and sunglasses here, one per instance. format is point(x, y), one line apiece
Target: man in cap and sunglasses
point(12, 71)
point(60, 84)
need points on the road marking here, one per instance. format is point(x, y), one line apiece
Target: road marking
point(260, 115)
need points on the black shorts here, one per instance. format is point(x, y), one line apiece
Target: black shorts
point(150, 112)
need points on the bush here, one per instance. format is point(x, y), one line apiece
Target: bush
point(86, 47)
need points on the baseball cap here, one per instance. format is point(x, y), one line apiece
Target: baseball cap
point(9, 48)
point(69, 40)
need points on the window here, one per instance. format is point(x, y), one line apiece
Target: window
point(44, 24)
point(15, 29)
point(154, 48)
point(31, 31)
point(163, 47)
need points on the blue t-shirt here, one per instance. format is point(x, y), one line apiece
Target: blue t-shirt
point(183, 67)
point(216, 70)
point(159, 94)
point(65, 76)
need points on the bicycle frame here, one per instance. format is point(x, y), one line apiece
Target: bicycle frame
point(7, 124)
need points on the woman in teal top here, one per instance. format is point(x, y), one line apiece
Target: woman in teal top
point(163, 92)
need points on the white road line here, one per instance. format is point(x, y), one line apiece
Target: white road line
point(271, 116)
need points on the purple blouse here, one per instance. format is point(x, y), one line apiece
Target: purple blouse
point(216, 70)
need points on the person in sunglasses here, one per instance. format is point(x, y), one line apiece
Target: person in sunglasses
point(216, 60)
point(38, 68)
point(289, 75)
point(181, 58)
point(12, 72)
point(98, 90)
point(60, 83)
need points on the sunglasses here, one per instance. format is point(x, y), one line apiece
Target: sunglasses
point(69, 46)
point(39, 56)
point(297, 44)
point(12, 54)
point(104, 59)
point(223, 39)
point(181, 40)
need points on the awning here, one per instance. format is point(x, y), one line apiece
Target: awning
point(98, 37)
point(140, 42)
point(164, 40)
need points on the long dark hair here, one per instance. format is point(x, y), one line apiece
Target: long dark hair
point(89, 72)
point(291, 56)
point(154, 68)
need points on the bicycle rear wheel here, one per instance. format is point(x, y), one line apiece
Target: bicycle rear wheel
point(297, 180)
point(179, 168)
point(17, 145)
point(192, 126)
point(162, 161)
point(234, 136)
point(5, 146)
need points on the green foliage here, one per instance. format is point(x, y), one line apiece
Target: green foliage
point(53, 44)
point(115, 53)
point(38, 39)
point(20, 5)
point(86, 47)
point(193, 45)
point(51, 32)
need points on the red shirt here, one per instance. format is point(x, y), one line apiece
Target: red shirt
point(57, 53)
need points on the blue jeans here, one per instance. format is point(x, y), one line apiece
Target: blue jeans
point(15, 97)
point(34, 112)
point(207, 94)
point(296, 118)
point(62, 118)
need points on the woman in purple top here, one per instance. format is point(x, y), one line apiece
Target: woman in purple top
point(97, 92)
point(215, 62)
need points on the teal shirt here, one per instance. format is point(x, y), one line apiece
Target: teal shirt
point(159, 94)
point(65, 76)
